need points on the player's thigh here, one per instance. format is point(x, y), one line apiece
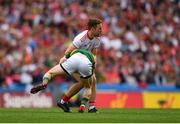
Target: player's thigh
point(76, 76)
point(56, 70)
point(93, 83)
point(94, 78)
point(87, 82)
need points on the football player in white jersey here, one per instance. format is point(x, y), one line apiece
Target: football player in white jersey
point(79, 63)
point(88, 40)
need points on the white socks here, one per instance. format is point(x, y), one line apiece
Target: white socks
point(91, 107)
point(62, 101)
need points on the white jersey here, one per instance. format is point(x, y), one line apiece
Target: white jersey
point(82, 41)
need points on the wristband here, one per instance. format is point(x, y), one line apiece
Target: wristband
point(67, 55)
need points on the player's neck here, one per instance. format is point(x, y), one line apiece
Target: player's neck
point(90, 35)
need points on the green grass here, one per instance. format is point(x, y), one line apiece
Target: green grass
point(31, 115)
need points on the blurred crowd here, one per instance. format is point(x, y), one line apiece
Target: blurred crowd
point(140, 42)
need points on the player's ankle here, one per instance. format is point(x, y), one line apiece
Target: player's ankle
point(84, 101)
point(65, 99)
point(91, 105)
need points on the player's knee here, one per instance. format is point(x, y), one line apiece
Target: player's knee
point(80, 84)
point(86, 85)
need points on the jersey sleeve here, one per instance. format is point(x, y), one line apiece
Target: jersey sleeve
point(97, 44)
point(77, 42)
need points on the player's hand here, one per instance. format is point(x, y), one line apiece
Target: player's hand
point(62, 60)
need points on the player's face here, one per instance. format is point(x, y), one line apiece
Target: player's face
point(98, 30)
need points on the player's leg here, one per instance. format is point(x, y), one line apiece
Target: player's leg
point(86, 94)
point(75, 88)
point(70, 66)
point(84, 68)
point(47, 77)
point(63, 102)
point(93, 96)
point(92, 108)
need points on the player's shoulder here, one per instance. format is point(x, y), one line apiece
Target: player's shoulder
point(98, 39)
point(82, 35)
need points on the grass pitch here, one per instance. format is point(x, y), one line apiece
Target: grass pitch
point(55, 115)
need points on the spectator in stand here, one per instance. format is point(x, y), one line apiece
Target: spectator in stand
point(141, 39)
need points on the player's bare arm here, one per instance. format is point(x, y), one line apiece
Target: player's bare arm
point(94, 52)
point(68, 50)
